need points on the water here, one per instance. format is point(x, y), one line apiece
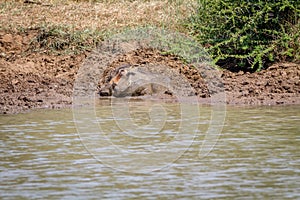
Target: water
point(44, 156)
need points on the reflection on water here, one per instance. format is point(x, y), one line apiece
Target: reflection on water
point(257, 156)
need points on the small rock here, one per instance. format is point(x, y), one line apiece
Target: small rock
point(245, 83)
point(15, 81)
point(286, 87)
point(240, 73)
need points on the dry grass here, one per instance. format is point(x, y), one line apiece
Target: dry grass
point(78, 25)
point(107, 15)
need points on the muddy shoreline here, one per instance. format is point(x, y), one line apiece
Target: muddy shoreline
point(30, 80)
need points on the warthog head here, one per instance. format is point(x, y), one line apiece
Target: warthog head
point(113, 80)
point(129, 80)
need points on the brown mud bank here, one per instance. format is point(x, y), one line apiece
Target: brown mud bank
point(30, 80)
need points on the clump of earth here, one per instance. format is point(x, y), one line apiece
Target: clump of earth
point(30, 79)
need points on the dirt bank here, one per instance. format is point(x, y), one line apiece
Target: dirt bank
point(31, 79)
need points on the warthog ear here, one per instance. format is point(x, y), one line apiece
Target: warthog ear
point(122, 67)
point(121, 71)
point(117, 71)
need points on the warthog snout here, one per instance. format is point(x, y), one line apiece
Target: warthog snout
point(105, 92)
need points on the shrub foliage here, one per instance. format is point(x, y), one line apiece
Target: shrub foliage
point(248, 34)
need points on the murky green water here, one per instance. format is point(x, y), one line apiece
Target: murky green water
point(256, 156)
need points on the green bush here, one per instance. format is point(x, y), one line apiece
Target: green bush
point(250, 34)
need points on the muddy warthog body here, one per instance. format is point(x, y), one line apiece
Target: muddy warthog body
point(129, 80)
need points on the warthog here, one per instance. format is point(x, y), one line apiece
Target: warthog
point(129, 80)
point(132, 81)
